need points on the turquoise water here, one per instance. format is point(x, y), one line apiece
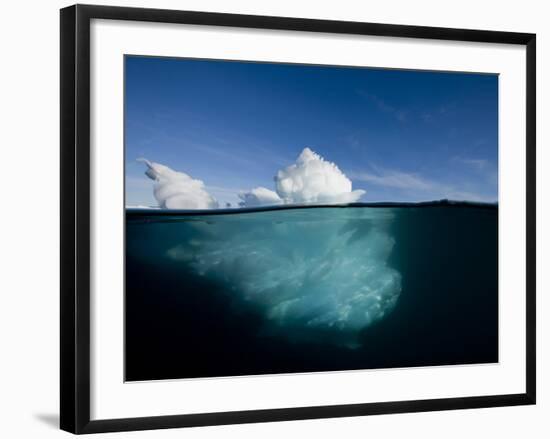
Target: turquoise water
point(239, 292)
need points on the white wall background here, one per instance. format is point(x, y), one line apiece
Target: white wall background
point(29, 249)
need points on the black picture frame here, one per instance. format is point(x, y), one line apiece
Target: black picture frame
point(75, 217)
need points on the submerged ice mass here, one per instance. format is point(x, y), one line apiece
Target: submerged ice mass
point(310, 180)
point(310, 276)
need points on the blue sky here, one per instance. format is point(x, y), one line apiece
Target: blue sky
point(399, 135)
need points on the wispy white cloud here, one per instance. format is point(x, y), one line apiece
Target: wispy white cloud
point(394, 179)
point(435, 114)
point(474, 163)
point(399, 113)
point(414, 186)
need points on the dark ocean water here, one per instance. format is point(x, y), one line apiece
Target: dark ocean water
point(310, 289)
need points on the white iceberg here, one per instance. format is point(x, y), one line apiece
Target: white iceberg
point(177, 190)
point(313, 180)
point(310, 180)
point(259, 196)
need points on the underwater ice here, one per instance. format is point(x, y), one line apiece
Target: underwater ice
point(312, 273)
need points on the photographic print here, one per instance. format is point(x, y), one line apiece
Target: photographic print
point(292, 218)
